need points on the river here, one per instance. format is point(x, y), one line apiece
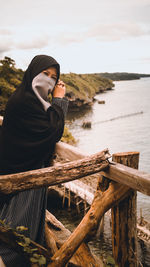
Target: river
point(121, 124)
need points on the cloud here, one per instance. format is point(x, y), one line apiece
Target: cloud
point(146, 59)
point(4, 31)
point(116, 32)
point(6, 40)
point(36, 43)
point(70, 29)
point(104, 33)
point(5, 45)
point(70, 37)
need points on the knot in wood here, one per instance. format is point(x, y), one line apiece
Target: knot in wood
point(103, 183)
point(92, 215)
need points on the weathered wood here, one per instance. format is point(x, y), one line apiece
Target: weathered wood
point(69, 200)
point(64, 196)
point(68, 152)
point(137, 180)
point(50, 240)
point(54, 175)
point(81, 189)
point(101, 203)
point(102, 185)
point(1, 120)
point(58, 234)
point(143, 230)
point(124, 219)
point(130, 159)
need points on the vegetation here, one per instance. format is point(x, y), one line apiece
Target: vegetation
point(10, 78)
point(85, 86)
point(122, 76)
point(68, 137)
point(21, 243)
point(109, 262)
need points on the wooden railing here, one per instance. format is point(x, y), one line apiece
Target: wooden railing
point(1, 120)
point(117, 186)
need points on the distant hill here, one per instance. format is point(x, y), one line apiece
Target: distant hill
point(80, 88)
point(122, 76)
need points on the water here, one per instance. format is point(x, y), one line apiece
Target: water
point(112, 128)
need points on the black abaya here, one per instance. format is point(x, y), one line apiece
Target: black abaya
point(27, 142)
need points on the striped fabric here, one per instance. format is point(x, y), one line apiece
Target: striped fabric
point(27, 209)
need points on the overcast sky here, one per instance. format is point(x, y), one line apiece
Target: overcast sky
point(84, 36)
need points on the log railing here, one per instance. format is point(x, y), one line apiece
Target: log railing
point(121, 181)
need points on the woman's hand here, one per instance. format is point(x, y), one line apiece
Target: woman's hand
point(59, 90)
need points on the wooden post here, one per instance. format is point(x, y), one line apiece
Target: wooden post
point(56, 235)
point(85, 206)
point(69, 199)
point(77, 204)
point(124, 219)
point(101, 204)
point(64, 196)
point(102, 185)
point(100, 229)
point(141, 217)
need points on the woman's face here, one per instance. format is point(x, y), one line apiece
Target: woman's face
point(51, 73)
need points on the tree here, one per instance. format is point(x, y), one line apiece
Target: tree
point(10, 79)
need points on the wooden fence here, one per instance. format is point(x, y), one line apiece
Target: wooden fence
point(117, 186)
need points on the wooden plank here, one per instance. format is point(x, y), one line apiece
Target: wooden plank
point(124, 219)
point(68, 152)
point(1, 120)
point(55, 230)
point(83, 190)
point(54, 175)
point(135, 179)
point(101, 203)
point(56, 235)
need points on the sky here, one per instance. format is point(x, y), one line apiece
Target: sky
point(84, 36)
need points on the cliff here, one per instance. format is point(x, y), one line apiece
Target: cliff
point(81, 88)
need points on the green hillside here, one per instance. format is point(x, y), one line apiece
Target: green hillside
point(85, 86)
point(81, 88)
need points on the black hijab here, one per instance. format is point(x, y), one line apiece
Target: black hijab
point(29, 133)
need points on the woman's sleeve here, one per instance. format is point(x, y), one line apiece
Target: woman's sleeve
point(62, 103)
point(56, 113)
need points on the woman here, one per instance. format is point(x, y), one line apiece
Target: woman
point(30, 130)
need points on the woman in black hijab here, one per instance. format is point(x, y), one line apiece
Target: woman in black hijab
point(30, 130)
